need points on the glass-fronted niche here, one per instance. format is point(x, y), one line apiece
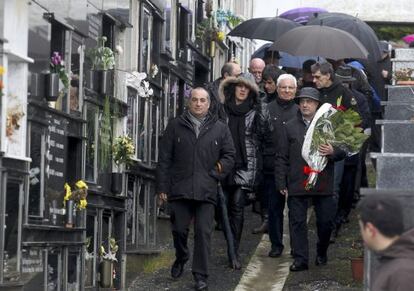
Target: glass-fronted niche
point(10, 234)
point(141, 214)
point(52, 268)
point(56, 160)
point(102, 226)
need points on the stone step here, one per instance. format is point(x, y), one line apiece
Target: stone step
point(397, 136)
point(395, 171)
point(403, 53)
point(398, 110)
point(401, 93)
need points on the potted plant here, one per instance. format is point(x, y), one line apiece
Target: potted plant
point(357, 261)
point(57, 73)
point(123, 150)
point(404, 76)
point(75, 200)
point(102, 60)
point(106, 266)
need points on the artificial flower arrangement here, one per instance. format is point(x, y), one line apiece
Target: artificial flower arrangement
point(137, 80)
point(154, 71)
point(337, 127)
point(227, 17)
point(102, 57)
point(111, 254)
point(78, 195)
point(2, 71)
point(14, 115)
point(406, 74)
point(57, 65)
point(123, 150)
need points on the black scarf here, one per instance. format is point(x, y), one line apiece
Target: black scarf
point(237, 125)
point(285, 103)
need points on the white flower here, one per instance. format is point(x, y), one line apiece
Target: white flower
point(150, 92)
point(119, 50)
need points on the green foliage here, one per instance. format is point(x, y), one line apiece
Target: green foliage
point(105, 136)
point(101, 57)
point(392, 32)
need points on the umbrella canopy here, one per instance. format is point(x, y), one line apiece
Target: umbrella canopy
point(317, 40)
point(266, 28)
point(408, 38)
point(355, 26)
point(301, 15)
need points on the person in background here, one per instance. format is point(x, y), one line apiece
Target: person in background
point(307, 78)
point(196, 151)
point(256, 68)
point(229, 69)
point(381, 222)
point(270, 75)
point(271, 58)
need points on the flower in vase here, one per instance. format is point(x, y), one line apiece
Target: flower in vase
point(78, 195)
point(57, 65)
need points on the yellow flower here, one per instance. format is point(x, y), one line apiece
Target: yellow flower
point(68, 194)
point(221, 35)
point(81, 185)
point(82, 204)
point(2, 70)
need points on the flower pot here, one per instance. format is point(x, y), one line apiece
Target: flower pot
point(92, 80)
point(37, 85)
point(81, 218)
point(52, 87)
point(106, 268)
point(357, 267)
point(116, 183)
point(69, 214)
point(105, 78)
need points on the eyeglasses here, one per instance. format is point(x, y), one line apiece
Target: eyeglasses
point(287, 88)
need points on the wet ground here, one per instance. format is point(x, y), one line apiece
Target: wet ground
point(222, 278)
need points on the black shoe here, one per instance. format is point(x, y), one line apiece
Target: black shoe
point(296, 267)
point(200, 285)
point(274, 253)
point(177, 269)
point(321, 260)
point(263, 228)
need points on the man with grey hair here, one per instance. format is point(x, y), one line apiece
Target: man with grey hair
point(256, 68)
point(280, 110)
point(196, 151)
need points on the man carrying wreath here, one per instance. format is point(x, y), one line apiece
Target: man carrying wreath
point(292, 171)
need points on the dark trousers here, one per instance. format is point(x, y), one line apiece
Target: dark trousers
point(346, 193)
point(325, 209)
point(276, 207)
point(182, 211)
point(235, 206)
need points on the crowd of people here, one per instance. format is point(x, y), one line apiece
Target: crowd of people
point(245, 131)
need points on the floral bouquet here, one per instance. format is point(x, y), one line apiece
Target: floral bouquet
point(123, 150)
point(111, 254)
point(57, 65)
point(336, 127)
point(78, 195)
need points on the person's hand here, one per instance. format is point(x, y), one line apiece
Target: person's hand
point(162, 198)
point(384, 74)
point(326, 149)
point(284, 192)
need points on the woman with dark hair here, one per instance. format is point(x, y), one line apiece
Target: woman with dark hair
point(251, 131)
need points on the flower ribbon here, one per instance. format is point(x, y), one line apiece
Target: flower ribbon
point(308, 170)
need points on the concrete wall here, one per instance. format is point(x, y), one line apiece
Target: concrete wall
point(368, 10)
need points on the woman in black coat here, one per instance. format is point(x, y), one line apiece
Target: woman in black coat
point(250, 128)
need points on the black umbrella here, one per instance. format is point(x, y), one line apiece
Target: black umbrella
point(234, 262)
point(317, 40)
point(355, 26)
point(266, 28)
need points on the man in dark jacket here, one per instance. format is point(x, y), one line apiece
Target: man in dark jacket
point(229, 69)
point(382, 229)
point(196, 151)
point(291, 177)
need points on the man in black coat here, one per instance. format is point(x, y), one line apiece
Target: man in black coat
point(291, 177)
point(280, 110)
point(196, 150)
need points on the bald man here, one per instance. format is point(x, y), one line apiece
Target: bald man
point(256, 68)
